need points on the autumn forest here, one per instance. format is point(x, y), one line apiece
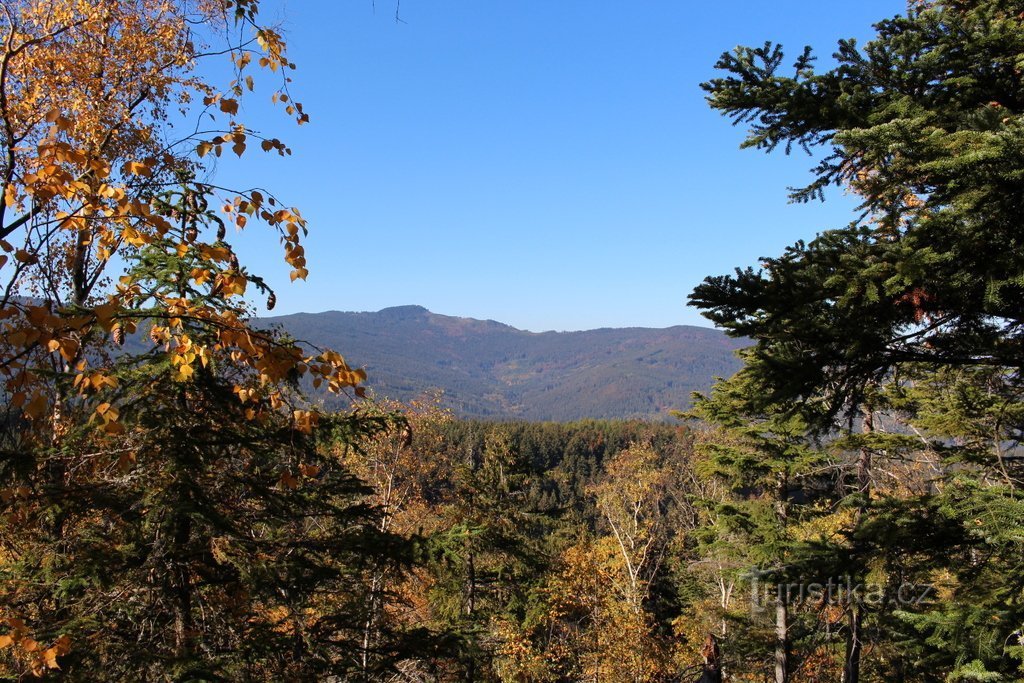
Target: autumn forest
point(189, 495)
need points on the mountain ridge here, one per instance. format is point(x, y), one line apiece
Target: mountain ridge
point(488, 369)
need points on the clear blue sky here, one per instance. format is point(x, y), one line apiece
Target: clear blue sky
point(551, 165)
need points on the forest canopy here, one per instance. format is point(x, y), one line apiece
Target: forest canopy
point(847, 507)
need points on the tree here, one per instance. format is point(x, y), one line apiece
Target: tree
point(485, 550)
point(924, 124)
point(780, 484)
point(189, 479)
point(88, 147)
point(211, 533)
point(404, 466)
point(632, 497)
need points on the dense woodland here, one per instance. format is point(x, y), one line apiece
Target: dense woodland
point(847, 507)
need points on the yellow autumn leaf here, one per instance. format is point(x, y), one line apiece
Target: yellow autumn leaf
point(50, 658)
point(134, 237)
point(138, 168)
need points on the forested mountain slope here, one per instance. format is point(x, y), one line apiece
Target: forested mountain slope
point(487, 369)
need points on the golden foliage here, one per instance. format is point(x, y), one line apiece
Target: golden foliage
point(88, 95)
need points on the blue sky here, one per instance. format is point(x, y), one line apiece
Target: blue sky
point(551, 165)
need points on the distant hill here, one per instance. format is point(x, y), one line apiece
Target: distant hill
point(491, 370)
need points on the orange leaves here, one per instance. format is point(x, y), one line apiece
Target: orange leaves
point(242, 60)
point(28, 258)
point(184, 355)
point(229, 106)
point(304, 420)
point(134, 237)
point(289, 481)
point(139, 168)
point(331, 369)
point(39, 659)
point(243, 393)
point(294, 253)
point(108, 416)
point(216, 144)
point(57, 118)
point(93, 382)
point(68, 347)
point(107, 412)
point(311, 471)
point(275, 144)
point(94, 176)
point(105, 314)
point(200, 275)
point(13, 494)
point(250, 206)
point(222, 254)
point(60, 648)
point(230, 284)
point(920, 303)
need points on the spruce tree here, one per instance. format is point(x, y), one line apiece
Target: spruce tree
point(910, 316)
point(203, 527)
point(781, 484)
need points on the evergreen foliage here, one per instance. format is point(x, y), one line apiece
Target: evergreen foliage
point(897, 339)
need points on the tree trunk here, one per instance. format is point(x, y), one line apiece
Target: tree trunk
point(369, 625)
point(851, 667)
point(782, 596)
point(851, 664)
point(781, 639)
